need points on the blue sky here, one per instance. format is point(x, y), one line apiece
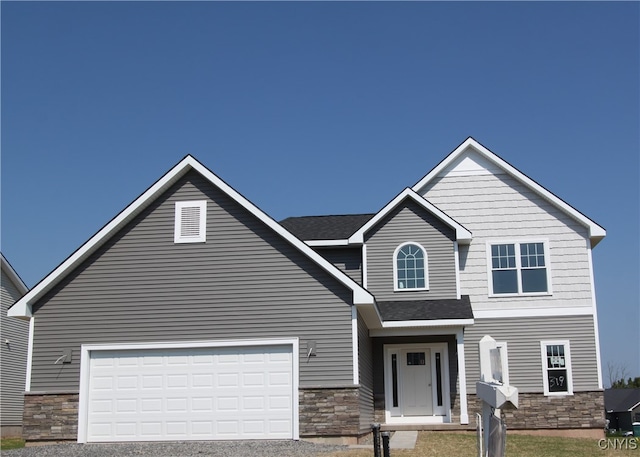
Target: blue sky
point(319, 108)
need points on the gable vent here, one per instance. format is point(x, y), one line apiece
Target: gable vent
point(190, 223)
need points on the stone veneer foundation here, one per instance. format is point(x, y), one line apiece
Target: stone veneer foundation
point(329, 412)
point(50, 416)
point(582, 410)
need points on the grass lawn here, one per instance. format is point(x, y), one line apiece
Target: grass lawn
point(439, 444)
point(11, 443)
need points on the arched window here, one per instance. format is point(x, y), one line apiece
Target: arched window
point(410, 267)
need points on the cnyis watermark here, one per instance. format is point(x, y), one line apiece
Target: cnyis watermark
point(619, 443)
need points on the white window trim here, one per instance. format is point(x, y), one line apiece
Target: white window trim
point(517, 243)
point(567, 357)
point(395, 269)
point(202, 236)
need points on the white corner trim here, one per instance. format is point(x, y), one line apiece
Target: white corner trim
point(354, 345)
point(27, 380)
point(456, 257)
point(596, 232)
point(595, 317)
point(85, 358)
point(462, 377)
point(365, 276)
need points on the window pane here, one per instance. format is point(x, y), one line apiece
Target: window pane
point(558, 381)
point(416, 358)
point(534, 280)
point(505, 282)
point(410, 265)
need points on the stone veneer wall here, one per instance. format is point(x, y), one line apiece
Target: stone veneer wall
point(50, 417)
point(582, 410)
point(329, 412)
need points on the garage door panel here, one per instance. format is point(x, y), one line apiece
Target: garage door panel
point(197, 393)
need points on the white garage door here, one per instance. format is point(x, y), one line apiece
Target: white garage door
point(208, 393)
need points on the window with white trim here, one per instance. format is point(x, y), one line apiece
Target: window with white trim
point(190, 222)
point(518, 268)
point(556, 367)
point(410, 270)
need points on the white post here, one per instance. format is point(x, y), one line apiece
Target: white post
point(462, 377)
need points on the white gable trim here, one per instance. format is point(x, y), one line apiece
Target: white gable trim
point(13, 276)
point(22, 308)
point(462, 234)
point(596, 232)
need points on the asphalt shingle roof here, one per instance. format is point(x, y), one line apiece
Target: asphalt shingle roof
point(621, 399)
point(340, 227)
point(425, 309)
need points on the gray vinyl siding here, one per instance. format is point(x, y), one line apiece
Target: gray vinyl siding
point(348, 260)
point(410, 222)
point(245, 282)
point(365, 365)
point(14, 356)
point(523, 336)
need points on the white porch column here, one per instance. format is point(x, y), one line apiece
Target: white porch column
point(462, 377)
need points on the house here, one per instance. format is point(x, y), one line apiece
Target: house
point(14, 336)
point(193, 315)
point(622, 408)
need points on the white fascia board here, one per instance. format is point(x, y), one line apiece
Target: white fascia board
point(13, 276)
point(596, 232)
point(360, 295)
point(462, 234)
point(327, 243)
point(428, 323)
point(22, 308)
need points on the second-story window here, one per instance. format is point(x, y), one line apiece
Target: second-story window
point(518, 268)
point(410, 267)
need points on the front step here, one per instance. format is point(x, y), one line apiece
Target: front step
point(426, 427)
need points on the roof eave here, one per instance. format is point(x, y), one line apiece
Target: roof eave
point(22, 308)
point(596, 232)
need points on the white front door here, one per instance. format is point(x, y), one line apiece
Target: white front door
point(416, 383)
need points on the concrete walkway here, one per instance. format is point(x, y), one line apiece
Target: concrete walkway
point(403, 440)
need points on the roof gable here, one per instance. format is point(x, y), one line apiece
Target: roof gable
point(13, 276)
point(471, 158)
point(462, 234)
point(22, 308)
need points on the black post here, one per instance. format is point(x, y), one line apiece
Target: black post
point(376, 439)
point(385, 444)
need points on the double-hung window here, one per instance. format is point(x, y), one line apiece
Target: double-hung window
point(556, 367)
point(410, 268)
point(518, 268)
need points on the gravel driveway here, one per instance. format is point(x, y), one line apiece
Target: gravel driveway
point(180, 449)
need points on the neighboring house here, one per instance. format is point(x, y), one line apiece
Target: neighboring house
point(622, 408)
point(193, 315)
point(14, 336)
